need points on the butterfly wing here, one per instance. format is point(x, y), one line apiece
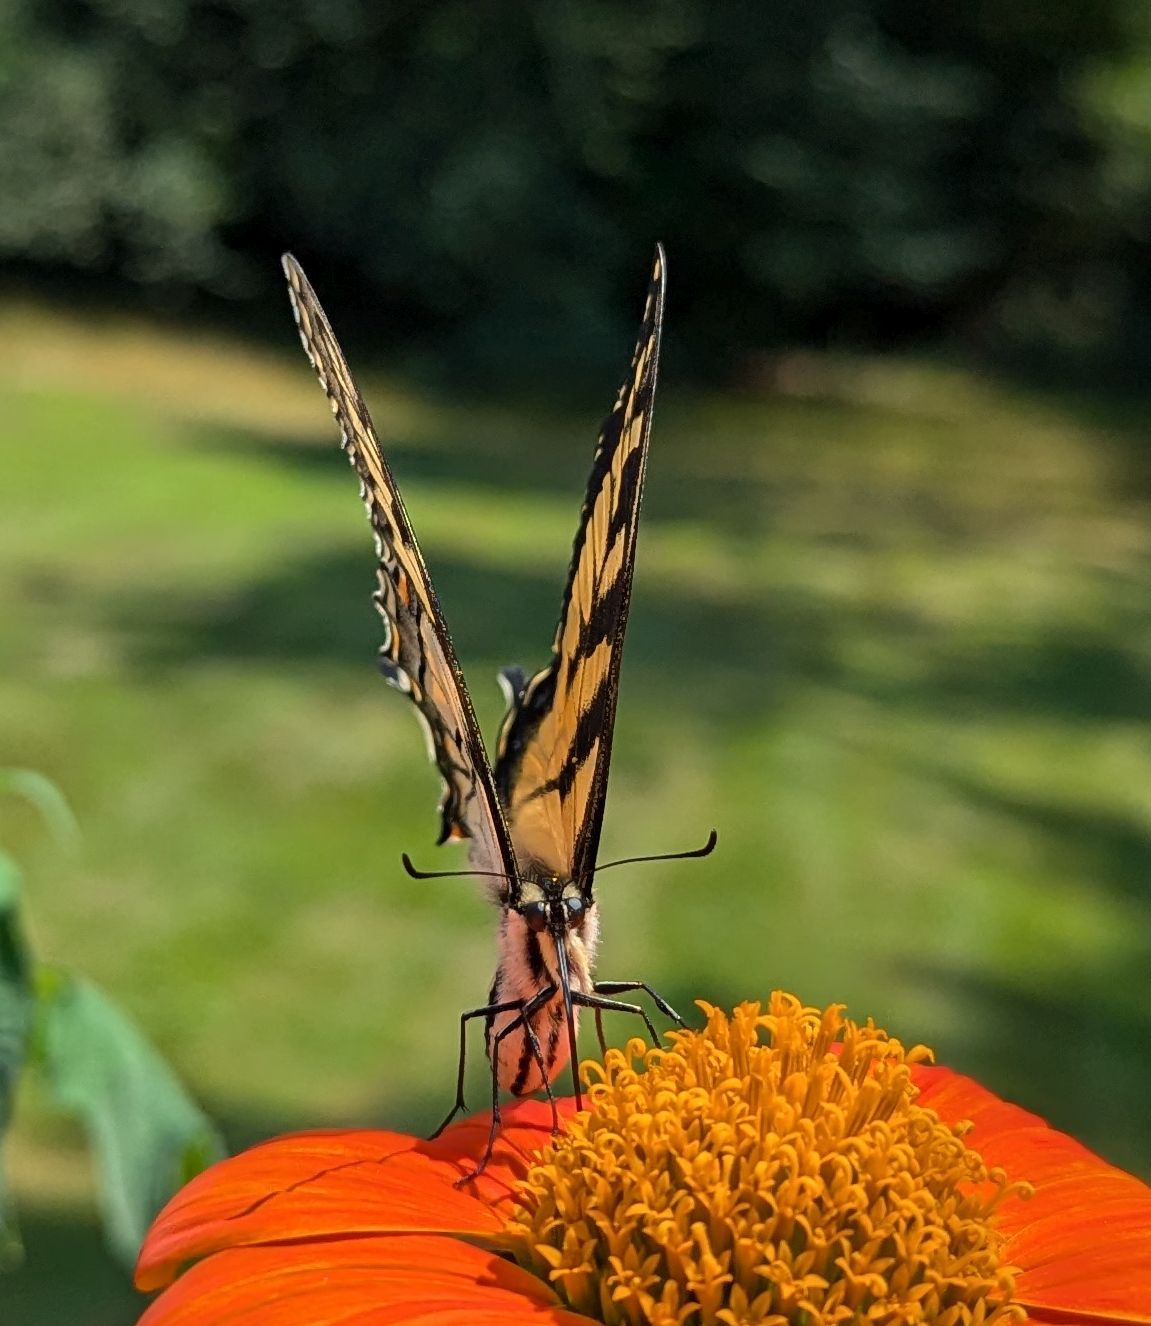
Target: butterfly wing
point(555, 742)
point(417, 654)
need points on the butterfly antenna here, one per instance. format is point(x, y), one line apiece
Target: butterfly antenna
point(705, 850)
point(449, 874)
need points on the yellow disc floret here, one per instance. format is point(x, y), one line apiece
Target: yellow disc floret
point(773, 1167)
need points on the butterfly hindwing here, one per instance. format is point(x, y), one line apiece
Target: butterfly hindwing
point(555, 742)
point(417, 655)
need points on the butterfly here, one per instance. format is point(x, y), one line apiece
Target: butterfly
point(533, 821)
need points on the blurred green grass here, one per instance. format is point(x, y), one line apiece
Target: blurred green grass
point(891, 636)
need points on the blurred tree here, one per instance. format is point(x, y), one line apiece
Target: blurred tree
point(848, 170)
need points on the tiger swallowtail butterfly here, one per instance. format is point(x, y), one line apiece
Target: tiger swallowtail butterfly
point(533, 822)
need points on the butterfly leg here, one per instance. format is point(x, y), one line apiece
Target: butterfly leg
point(527, 1010)
point(615, 1006)
point(488, 1011)
point(622, 987)
point(599, 1029)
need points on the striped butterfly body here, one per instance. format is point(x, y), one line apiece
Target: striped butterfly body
point(533, 821)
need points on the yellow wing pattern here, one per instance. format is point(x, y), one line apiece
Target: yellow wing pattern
point(417, 654)
point(555, 742)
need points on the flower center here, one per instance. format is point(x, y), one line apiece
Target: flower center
point(772, 1167)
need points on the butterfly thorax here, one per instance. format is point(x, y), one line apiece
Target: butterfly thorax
point(548, 912)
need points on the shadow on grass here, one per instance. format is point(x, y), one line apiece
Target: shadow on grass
point(506, 454)
point(314, 609)
point(1075, 674)
point(548, 464)
point(1119, 418)
point(1102, 848)
point(317, 612)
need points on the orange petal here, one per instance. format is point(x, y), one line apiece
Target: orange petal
point(408, 1278)
point(310, 1185)
point(1083, 1242)
point(526, 1127)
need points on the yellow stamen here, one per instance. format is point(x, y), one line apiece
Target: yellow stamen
point(729, 1180)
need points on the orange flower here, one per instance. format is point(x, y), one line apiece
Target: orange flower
point(823, 1176)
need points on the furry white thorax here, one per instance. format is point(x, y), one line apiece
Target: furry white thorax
point(516, 1068)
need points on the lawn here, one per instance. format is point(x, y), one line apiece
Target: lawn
point(891, 636)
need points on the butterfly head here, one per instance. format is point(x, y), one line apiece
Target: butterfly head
point(548, 903)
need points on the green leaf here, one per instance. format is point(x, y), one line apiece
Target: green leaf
point(149, 1136)
point(15, 1023)
point(17, 996)
point(42, 793)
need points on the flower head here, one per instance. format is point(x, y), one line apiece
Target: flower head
point(779, 1166)
point(733, 1179)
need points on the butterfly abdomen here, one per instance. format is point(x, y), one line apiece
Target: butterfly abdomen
point(527, 966)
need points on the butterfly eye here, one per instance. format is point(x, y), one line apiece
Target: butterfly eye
point(536, 915)
point(575, 908)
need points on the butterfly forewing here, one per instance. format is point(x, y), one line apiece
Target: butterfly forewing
point(417, 654)
point(555, 743)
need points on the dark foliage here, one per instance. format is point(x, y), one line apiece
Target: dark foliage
point(825, 171)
